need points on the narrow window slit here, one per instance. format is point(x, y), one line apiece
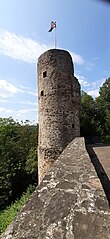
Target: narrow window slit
point(42, 93)
point(44, 74)
point(73, 126)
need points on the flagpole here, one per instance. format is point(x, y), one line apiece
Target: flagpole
point(55, 38)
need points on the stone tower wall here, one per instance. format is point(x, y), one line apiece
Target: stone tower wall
point(59, 102)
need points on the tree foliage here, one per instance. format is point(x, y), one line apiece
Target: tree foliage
point(95, 113)
point(103, 102)
point(16, 143)
point(87, 114)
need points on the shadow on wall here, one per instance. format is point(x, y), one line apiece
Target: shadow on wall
point(100, 171)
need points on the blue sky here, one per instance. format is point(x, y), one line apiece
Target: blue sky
point(82, 28)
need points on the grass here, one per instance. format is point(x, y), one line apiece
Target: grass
point(8, 214)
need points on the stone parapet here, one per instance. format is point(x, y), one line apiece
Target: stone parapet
point(68, 204)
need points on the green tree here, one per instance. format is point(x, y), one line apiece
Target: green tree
point(8, 157)
point(95, 113)
point(87, 115)
point(31, 163)
point(16, 141)
point(105, 94)
point(103, 104)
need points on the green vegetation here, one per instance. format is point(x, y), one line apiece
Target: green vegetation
point(95, 114)
point(7, 215)
point(18, 159)
point(106, 139)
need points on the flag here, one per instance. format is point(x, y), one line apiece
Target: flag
point(53, 25)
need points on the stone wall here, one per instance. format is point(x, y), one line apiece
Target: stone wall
point(68, 204)
point(59, 103)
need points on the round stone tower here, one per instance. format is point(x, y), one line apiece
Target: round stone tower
point(59, 103)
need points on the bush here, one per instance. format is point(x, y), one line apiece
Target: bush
point(106, 139)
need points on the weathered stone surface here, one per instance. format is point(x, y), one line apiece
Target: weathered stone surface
point(68, 204)
point(58, 106)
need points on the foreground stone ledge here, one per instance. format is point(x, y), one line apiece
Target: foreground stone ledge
point(68, 204)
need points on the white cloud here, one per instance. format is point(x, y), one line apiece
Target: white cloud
point(19, 47)
point(92, 88)
point(31, 93)
point(7, 89)
point(25, 112)
point(89, 66)
point(94, 93)
point(78, 59)
point(95, 87)
point(102, 81)
point(26, 49)
point(82, 80)
point(26, 91)
point(28, 103)
point(2, 109)
point(5, 101)
point(25, 87)
point(6, 111)
point(22, 114)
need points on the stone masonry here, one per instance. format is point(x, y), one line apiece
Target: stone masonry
point(68, 204)
point(59, 103)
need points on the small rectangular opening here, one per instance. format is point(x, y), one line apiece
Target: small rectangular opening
point(42, 93)
point(44, 74)
point(73, 126)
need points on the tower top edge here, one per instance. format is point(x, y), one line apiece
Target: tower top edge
point(55, 52)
